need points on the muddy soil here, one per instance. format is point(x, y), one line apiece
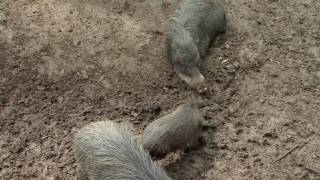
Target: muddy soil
point(65, 63)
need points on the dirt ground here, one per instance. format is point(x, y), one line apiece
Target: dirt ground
point(65, 63)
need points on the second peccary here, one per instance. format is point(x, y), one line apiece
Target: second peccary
point(176, 130)
point(191, 30)
point(106, 150)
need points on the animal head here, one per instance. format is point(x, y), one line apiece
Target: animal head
point(186, 61)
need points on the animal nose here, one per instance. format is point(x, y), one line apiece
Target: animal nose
point(197, 81)
point(201, 80)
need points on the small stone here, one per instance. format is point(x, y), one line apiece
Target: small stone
point(41, 88)
point(230, 68)
point(60, 99)
point(136, 122)
point(236, 64)
point(203, 175)
point(134, 114)
point(225, 61)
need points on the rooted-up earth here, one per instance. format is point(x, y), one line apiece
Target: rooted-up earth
point(65, 63)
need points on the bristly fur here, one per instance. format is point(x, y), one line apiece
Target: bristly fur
point(106, 150)
point(197, 22)
point(175, 130)
point(195, 102)
point(178, 33)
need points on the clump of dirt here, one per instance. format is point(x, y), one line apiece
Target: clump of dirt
point(66, 63)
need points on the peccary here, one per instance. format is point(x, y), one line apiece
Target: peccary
point(176, 130)
point(191, 30)
point(106, 150)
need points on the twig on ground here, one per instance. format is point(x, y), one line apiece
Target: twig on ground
point(290, 151)
point(312, 170)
